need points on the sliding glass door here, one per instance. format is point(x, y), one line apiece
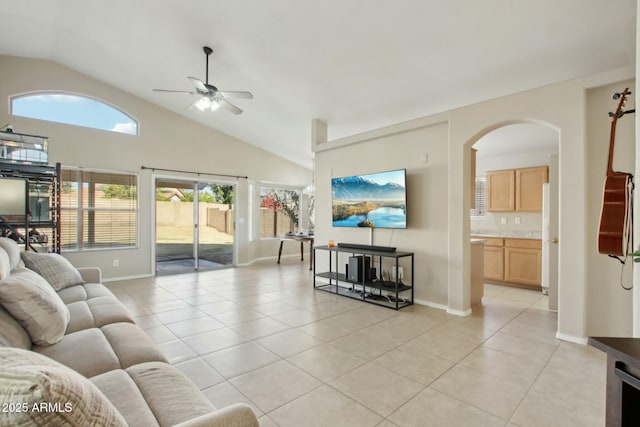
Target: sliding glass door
point(216, 225)
point(194, 225)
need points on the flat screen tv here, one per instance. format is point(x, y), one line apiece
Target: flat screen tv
point(373, 200)
point(13, 197)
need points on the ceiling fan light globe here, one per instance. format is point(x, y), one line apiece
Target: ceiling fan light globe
point(203, 103)
point(214, 106)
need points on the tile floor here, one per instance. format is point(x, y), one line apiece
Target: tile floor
point(299, 357)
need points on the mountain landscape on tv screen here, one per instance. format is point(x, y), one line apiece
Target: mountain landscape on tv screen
point(357, 188)
point(362, 202)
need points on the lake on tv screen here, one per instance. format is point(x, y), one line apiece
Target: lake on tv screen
point(385, 217)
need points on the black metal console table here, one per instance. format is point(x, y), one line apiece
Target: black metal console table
point(623, 379)
point(371, 285)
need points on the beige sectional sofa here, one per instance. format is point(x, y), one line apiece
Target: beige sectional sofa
point(123, 378)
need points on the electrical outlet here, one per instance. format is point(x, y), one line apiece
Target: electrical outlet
point(503, 220)
point(116, 263)
point(517, 220)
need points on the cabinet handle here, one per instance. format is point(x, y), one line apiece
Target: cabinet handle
point(626, 377)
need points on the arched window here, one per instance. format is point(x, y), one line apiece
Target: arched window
point(73, 109)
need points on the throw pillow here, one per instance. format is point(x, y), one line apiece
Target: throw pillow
point(36, 390)
point(13, 250)
point(35, 305)
point(55, 268)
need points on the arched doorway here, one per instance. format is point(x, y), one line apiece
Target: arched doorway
point(516, 146)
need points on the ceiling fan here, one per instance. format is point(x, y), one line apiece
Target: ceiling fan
point(210, 97)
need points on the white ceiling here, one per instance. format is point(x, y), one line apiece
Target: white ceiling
point(518, 139)
point(357, 64)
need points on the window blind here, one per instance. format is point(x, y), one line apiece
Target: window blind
point(481, 197)
point(98, 210)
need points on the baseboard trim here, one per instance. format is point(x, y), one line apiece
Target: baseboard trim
point(430, 304)
point(571, 338)
point(442, 307)
point(460, 313)
point(136, 276)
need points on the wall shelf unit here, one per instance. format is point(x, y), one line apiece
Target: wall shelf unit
point(24, 157)
point(370, 287)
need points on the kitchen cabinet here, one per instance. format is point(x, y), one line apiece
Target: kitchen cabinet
point(523, 262)
point(529, 188)
point(518, 190)
point(501, 191)
point(493, 259)
point(513, 261)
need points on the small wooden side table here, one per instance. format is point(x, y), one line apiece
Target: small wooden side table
point(298, 238)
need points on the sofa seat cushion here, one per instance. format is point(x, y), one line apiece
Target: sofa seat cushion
point(87, 352)
point(94, 351)
point(131, 344)
point(48, 393)
point(35, 305)
point(55, 268)
point(84, 292)
point(125, 395)
point(93, 305)
point(235, 415)
point(154, 379)
point(170, 396)
point(97, 312)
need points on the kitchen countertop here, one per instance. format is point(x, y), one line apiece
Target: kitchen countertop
point(532, 235)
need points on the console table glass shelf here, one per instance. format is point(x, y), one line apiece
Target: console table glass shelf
point(394, 294)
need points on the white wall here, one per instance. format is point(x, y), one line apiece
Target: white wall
point(166, 140)
point(426, 232)
point(608, 303)
point(562, 107)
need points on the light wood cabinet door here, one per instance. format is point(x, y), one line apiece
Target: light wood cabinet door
point(529, 188)
point(523, 266)
point(501, 191)
point(493, 263)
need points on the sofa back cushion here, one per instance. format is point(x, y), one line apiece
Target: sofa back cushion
point(5, 264)
point(12, 334)
point(13, 250)
point(55, 268)
point(35, 305)
point(40, 391)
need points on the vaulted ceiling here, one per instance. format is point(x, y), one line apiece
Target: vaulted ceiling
point(357, 64)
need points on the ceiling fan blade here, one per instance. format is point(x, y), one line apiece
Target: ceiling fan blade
point(237, 94)
point(191, 106)
point(200, 86)
point(229, 106)
point(175, 91)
